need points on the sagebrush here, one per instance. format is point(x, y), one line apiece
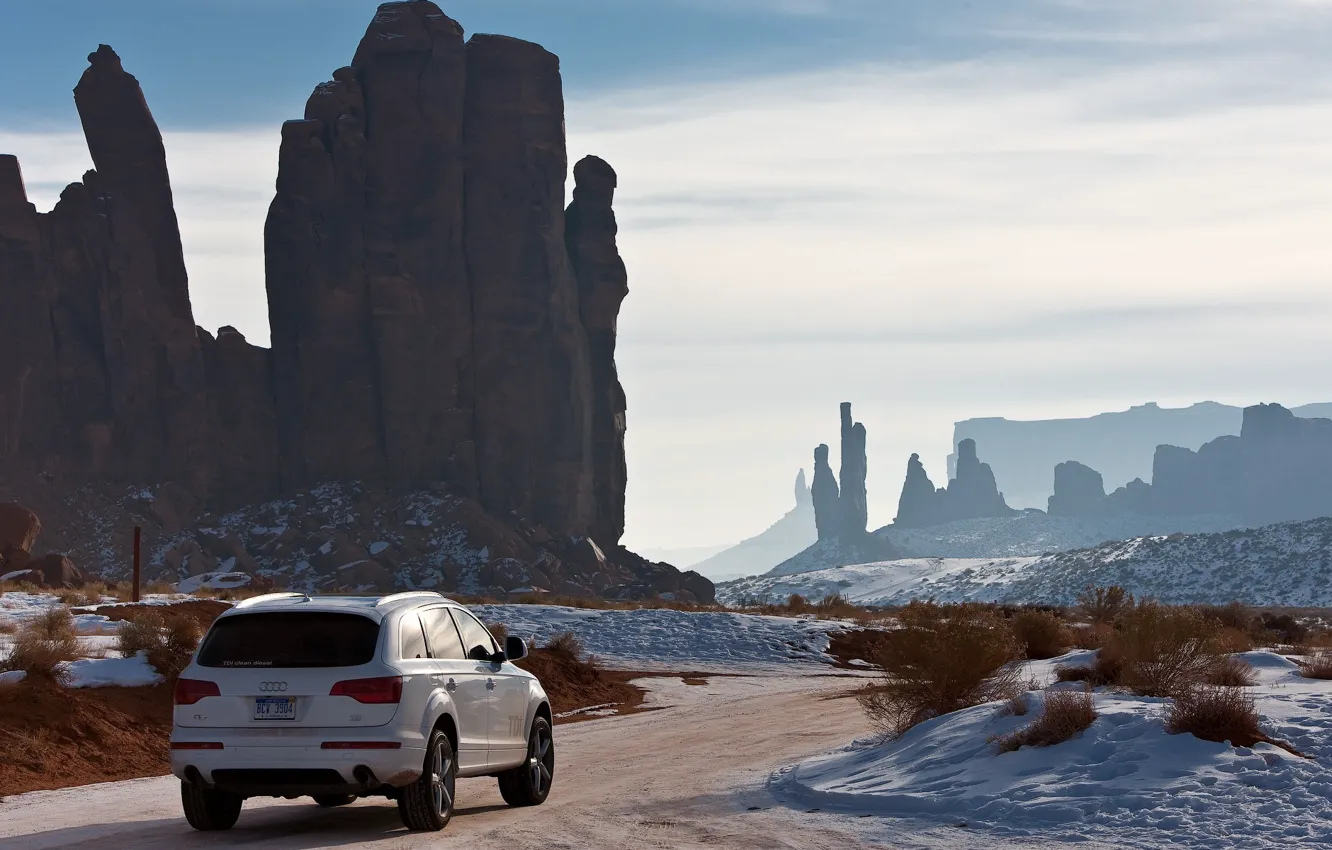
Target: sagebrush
point(44, 645)
point(943, 658)
point(1041, 633)
point(168, 642)
point(1163, 649)
point(1065, 714)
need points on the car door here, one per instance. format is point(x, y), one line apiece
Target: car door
point(466, 683)
point(508, 696)
point(420, 672)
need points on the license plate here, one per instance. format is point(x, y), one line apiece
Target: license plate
point(274, 708)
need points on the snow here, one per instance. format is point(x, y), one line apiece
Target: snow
point(1124, 780)
point(378, 547)
point(15, 575)
point(213, 581)
point(1196, 568)
point(661, 638)
point(129, 672)
point(12, 677)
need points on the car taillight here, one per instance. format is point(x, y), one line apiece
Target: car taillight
point(386, 689)
point(190, 691)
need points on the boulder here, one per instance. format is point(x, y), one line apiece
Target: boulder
point(19, 528)
point(56, 570)
point(700, 586)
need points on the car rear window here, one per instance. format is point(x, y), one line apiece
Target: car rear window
point(290, 639)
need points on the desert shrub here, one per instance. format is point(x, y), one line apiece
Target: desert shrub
point(565, 643)
point(168, 642)
point(1232, 672)
point(1232, 615)
point(43, 645)
point(1215, 713)
point(1066, 713)
point(1164, 649)
point(8, 627)
point(1091, 635)
point(499, 631)
point(1285, 627)
point(1041, 633)
point(1229, 639)
point(73, 597)
point(942, 659)
point(1317, 666)
point(1104, 604)
point(1106, 669)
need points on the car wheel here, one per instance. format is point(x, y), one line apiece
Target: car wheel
point(208, 809)
point(330, 801)
point(427, 804)
point(529, 784)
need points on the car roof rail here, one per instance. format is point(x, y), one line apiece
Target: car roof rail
point(272, 597)
point(408, 594)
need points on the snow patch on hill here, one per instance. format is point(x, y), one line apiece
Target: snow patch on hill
point(1285, 564)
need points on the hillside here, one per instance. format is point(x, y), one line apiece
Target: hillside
point(1288, 564)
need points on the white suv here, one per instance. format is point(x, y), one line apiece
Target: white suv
point(345, 697)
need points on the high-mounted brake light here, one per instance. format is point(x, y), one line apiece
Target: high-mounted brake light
point(380, 691)
point(190, 691)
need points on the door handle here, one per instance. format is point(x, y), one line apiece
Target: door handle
point(451, 686)
point(490, 684)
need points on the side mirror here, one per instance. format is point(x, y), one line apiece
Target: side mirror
point(515, 647)
point(480, 653)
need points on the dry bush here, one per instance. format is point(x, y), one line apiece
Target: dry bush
point(1215, 713)
point(8, 627)
point(1092, 635)
point(1041, 633)
point(43, 645)
point(73, 597)
point(168, 642)
point(942, 659)
point(1104, 604)
point(1066, 714)
point(1286, 628)
point(1232, 615)
point(1015, 707)
point(1233, 640)
point(498, 631)
point(1232, 672)
point(565, 643)
point(1317, 666)
point(1164, 649)
point(1105, 670)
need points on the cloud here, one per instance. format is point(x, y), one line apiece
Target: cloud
point(1025, 222)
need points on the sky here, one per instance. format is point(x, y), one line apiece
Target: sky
point(934, 209)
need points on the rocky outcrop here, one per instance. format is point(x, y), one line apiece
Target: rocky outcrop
point(970, 495)
point(1078, 491)
point(1278, 469)
point(589, 235)
point(788, 536)
point(853, 502)
point(803, 497)
point(439, 319)
point(19, 528)
point(824, 494)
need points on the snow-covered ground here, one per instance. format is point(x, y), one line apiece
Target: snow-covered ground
point(1286, 564)
point(1124, 781)
point(652, 638)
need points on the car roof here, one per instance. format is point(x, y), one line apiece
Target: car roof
point(374, 607)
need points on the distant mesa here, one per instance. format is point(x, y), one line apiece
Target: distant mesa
point(1278, 469)
point(787, 537)
point(438, 316)
point(971, 494)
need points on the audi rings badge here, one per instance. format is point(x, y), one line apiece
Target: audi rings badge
point(273, 687)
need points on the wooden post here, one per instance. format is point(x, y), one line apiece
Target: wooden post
point(137, 534)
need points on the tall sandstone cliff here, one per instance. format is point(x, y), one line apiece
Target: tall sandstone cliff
point(437, 315)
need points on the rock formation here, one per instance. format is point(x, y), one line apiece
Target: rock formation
point(438, 317)
point(970, 495)
point(1278, 469)
point(1078, 491)
point(803, 498)
point(853, 503)
point(824, 493)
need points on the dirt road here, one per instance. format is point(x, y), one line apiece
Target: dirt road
point(691, 774)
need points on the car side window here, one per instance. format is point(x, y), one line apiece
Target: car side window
point(411, 639)
point(473, 633)
point(443, 637)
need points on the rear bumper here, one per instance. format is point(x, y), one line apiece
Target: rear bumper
point(297, 771)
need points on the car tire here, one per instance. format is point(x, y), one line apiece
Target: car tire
point(209, 810)
point(529, 784)
point(427, 804)
point(331, 801)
